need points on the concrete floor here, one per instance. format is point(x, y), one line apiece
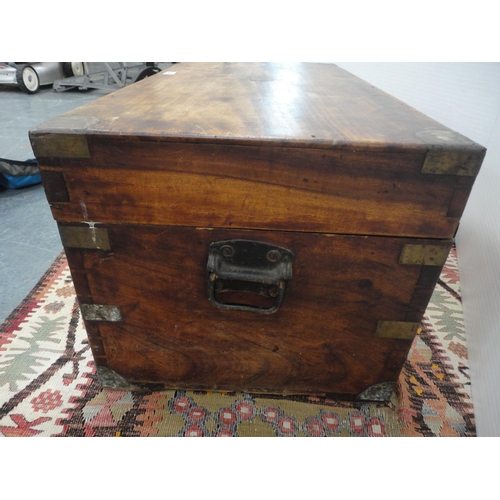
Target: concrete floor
point(29, 240)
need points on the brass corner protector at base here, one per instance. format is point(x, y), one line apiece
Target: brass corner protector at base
point(110, 379)
point(101, 312)
point(378, 392)
point(405, 330)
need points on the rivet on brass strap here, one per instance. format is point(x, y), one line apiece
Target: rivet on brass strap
point(93, 238)
point(396, 329)
point(425, 255)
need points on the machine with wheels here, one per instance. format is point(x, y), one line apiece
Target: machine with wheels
point(107, 76)
point(30, 76)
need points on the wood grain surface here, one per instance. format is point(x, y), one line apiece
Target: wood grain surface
point(293, 189)
point(321, 340)
point(305, 147)
point(303, 156)
point(301, 104)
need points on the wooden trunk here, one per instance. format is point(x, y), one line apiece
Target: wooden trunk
point(259, 227)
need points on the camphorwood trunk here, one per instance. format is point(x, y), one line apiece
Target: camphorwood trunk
point(274, 228)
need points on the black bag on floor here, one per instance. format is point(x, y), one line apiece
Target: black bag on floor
point(15, 174)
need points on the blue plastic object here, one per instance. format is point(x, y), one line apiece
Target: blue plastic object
point(17, 174)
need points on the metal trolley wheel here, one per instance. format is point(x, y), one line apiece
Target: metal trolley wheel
point(73, 69)
point(146, 73)
point(28, 79)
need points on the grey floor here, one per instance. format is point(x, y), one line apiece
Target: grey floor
point(29, 241)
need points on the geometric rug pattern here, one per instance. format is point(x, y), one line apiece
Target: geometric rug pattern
point(49, 387)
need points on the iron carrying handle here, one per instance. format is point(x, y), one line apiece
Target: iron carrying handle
point(251, 267)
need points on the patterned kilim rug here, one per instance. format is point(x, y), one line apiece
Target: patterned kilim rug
point(48, 384)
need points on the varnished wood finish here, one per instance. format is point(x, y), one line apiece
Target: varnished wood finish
point(322, 339)
point(304, 105)
point(373, 193)
point(304, 156)
point(55, 186)
point(238, 145)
